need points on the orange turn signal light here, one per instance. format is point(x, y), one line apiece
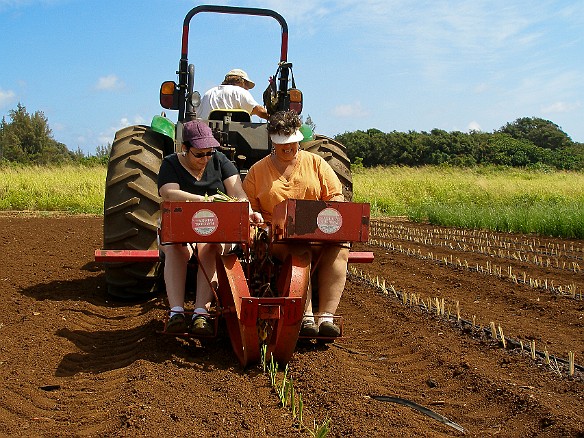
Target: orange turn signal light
point(295, 95)
point(167, 87)
point(169, 95)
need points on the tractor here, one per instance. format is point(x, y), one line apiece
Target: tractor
point(131, 206)
point(135, 220)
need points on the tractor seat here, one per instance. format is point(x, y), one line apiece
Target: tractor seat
point(237, 115)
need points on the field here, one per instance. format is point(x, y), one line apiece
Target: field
point(483, 329)
point(502, 199)
point(417, 322)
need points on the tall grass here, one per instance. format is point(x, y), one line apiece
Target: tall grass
point(510, 200)
point(514, 200)
point(73, 189)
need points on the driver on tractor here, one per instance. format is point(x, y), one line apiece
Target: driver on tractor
point(231, 94)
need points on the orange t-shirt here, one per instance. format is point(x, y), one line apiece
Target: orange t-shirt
point(312, 179)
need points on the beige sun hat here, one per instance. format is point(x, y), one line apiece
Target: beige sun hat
point(241, 74)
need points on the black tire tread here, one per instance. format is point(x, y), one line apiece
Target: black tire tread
point(335, 154)
point(131, 209)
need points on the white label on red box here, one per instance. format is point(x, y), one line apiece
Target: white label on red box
point(205, 222)
point(329, 221)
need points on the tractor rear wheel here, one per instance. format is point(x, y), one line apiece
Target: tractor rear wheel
point(335, 154)
point(132, 209)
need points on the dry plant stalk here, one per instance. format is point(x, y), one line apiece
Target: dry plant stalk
point(493, 330)
point(571, 363)
point(532, 344)
point(502, 337)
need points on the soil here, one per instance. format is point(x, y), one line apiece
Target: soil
point(74, 362)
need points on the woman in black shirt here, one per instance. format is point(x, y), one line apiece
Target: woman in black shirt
point(195, 174)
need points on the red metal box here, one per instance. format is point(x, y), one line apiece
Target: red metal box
point(296, 219)
point(204, 222)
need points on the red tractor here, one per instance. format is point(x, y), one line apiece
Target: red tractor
point(134, 217)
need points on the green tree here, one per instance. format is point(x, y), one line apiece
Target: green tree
point(310, 123)
point(27, 138)
point(540, 132)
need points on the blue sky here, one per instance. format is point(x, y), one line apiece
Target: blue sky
point(93, 67)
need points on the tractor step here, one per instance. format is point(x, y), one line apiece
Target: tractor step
point(126, 255)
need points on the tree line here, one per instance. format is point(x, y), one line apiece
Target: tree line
point(529, 141)
point(27, 139)
point(526, 142)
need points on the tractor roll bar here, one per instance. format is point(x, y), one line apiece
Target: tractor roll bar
point(235, 10)
point(183, 67)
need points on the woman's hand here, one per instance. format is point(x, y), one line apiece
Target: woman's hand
point(256, 217)
point(172, 192)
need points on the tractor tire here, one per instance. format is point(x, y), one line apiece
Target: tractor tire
point(132, 210)
point(335, 154)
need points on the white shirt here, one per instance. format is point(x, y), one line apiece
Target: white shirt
point(226, 97)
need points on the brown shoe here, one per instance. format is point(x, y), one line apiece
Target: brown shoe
point(328, 329)
point(201, 326)
point(309, 329)
point(176, 324)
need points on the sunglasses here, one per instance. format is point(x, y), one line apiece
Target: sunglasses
point(202, 154)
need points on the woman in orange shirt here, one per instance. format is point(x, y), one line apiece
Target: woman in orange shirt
point(291, 173)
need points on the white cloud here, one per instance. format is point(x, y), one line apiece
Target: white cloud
point(474, 126)
point(13, 4)
point(350, 110)
point(110, 82)
point(481, 88)
point(6, 97)
point(561, 107)
point(304, 11)
point(107, 136)
point(58, 127)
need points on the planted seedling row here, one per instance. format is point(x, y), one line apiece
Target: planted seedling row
point(452, 313)
point(550, 259)
point(568, 290)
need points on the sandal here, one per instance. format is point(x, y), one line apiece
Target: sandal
point(176, 324)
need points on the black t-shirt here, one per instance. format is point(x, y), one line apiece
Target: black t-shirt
point(218, 169)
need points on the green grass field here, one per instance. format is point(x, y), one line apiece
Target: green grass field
point(72, 189)
point(514, 200)
point(548, 203)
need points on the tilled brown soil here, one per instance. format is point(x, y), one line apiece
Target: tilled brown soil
point(75, 363)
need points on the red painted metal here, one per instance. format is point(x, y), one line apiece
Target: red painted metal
point(253, 320)
point(232, 291)
point(220, 222)
point(244, 314)
point(360, 257)
point(152, 255)
point(126, 255)
point(321, 221)
point(292, 283)
point(285, 310)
